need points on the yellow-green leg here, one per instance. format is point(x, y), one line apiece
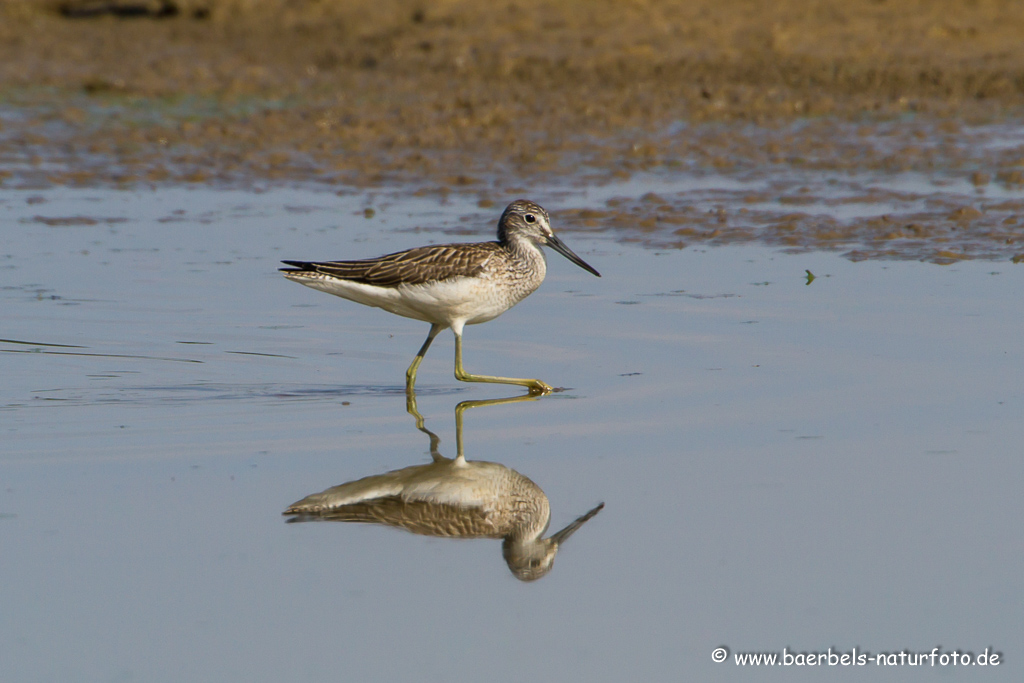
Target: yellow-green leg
point(536, 387)
point(413, 409)
point(410, 374)
point(464, 405)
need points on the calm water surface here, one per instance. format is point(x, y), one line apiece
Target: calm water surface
point(783, 463)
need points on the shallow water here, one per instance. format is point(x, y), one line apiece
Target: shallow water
point(784, 462)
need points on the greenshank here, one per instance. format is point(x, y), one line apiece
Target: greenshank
point(452, 498)
point(450, 285)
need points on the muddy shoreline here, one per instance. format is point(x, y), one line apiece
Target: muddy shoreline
point(484, 97)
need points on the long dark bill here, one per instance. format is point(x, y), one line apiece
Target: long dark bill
point(559, 246)
point(568, 531)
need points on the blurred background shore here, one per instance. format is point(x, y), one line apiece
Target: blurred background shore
point(370, 90)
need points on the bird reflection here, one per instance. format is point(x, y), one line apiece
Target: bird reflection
point(455, 498)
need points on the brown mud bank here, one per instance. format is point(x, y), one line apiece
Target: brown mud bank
point(489, 96)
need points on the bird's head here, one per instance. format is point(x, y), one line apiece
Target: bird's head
point(524, 219)
point(530, 559)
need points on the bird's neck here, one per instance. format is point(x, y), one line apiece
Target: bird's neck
point(523, 250)
point(530, 521)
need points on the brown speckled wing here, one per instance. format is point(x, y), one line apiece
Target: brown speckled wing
point(412, 267)
point(427, 519)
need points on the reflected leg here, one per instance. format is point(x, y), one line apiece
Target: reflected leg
point(413, 409)
point(465, 405)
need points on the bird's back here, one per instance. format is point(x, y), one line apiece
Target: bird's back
point(418, 266)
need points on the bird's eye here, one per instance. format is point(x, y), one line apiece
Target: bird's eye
point(530, 218)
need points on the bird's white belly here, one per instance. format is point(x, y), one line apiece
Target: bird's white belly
point(471, 300)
